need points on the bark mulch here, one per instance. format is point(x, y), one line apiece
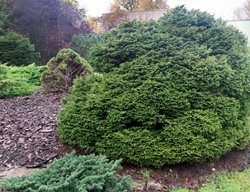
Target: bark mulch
point(27, 130)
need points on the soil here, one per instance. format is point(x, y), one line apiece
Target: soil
point(28, 140)
point(190, 176)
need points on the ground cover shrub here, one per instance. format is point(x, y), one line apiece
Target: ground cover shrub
point(19, 81)
point(17, 50)
point(82, 43)
point(172, 91)
point(225, 182)
point(73, 174)
point(180, 190)
point(63, 69)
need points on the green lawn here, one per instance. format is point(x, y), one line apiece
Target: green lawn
point(226, 182)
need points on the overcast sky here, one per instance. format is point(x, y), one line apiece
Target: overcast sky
point(219, 8)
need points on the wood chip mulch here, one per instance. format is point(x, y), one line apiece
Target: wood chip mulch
point(27, 130)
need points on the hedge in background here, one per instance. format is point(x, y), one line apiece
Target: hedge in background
point(82, 43)
point(174, 91)
point(19, 81)
point(3, 17)
point(17, 50)
point(63, 69)
point(73, 174)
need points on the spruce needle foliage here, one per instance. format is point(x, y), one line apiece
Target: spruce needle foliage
point(73, 174)
point(172, 91)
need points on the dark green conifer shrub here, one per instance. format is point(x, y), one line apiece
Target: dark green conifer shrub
point(174, 91)
point(63, 69)
point(17, 50)
point(73, 174)
point(82, 43)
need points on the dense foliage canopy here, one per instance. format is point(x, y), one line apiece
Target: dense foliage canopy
point(173, 91)
point(82, 43)
point(3, 16)
point(17, 50)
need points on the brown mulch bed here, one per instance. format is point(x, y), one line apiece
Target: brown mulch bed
point(28, 139)
point(27, 130)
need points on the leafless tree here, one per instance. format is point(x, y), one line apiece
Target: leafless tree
point(243, 12)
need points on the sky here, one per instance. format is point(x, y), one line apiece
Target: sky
point(218, 8)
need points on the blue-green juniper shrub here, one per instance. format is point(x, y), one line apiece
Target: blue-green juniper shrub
point(73, 174)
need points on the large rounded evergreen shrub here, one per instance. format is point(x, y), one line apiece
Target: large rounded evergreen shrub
point(17, 50)
point(173, 91)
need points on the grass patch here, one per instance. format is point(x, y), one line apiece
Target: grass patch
point(19, 81)
point(226, 182)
